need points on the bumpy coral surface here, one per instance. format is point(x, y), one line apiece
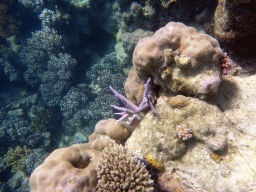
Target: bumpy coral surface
point(119, 170)
point(235, 23)
point(157, 135)
point(117, 132)
point(69, 169)
point(180, 59)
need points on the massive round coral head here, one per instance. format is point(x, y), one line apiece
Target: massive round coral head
point(177, 50)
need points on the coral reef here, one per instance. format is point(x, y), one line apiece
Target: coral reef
point(56, 81)
point(35, 158)
point(8, 23)
point(180, 60)
point(134, 87)
point(47, 17)
point(119, 170)
point(118, 132)
point(74, 101)
point(130, 39)
point(17, 131)
point(37, 52)
point(77, 165)
point(234, 24)
point(184, 132)
point(177, 101)
point(172, 182)
point(147, 102)
point(152, 14)
point(42, 119)
point(226, 64)
point(157, 135)
point(224, 163)
point(74, 108)
point(107, 72)
point(9, 60)
point(36, 5)
point(236, 100)
point(15, 158)
point(154, 163)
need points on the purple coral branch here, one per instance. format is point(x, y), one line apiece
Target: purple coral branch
point(131, 109)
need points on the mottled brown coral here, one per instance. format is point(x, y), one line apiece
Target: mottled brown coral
point(15, 158)
point(117, 132)
point(134, 87)
point(119, 170)
point(70, 169)
point(179, 59)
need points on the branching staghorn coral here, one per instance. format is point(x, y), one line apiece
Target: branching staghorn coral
point(37, 52)
point(56, 81)
point(15, 158)
point(107, 72)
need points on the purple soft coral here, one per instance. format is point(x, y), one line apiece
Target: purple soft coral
point(148, 101)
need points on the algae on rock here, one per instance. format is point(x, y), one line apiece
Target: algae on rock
point(157, 134)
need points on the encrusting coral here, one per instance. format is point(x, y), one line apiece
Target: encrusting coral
point(154, 163)
point(119, 170)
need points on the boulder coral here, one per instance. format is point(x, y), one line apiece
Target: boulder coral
point(180, 60)
point(117, 132)
point(69, 169)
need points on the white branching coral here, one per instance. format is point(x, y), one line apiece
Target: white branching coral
point(119, 170)
point(184, 132)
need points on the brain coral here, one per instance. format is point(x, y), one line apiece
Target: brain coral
point(179, 59)
point(121, 171)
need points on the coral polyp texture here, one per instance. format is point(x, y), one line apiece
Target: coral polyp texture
point(119, 170)
point(69, 169)
point(56, 80)
point(154, 163)
point(36, 53)
point(180, 59)
point(184, 132)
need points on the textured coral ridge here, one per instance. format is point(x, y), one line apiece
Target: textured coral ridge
point(119, 170)
point(157, 135)
point(180, 59)
point(71, 169)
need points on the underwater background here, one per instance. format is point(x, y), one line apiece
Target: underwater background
point(59, 57)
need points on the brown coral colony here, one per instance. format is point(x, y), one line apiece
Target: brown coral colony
point(119, 170)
